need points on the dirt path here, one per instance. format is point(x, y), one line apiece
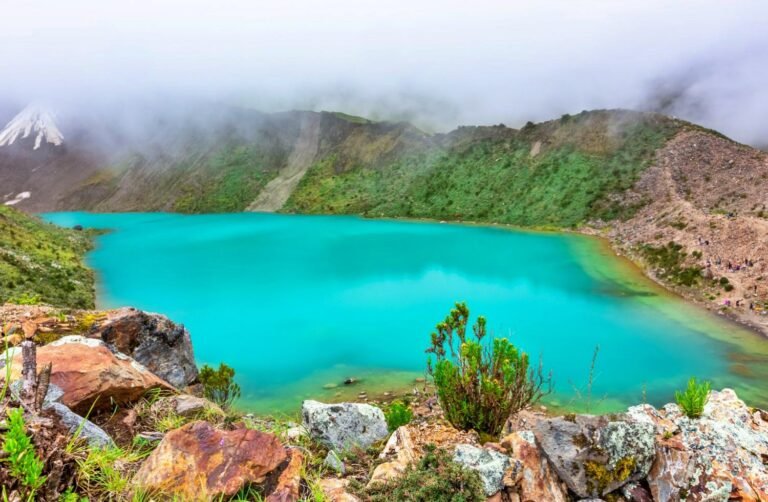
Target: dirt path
point(276, 192)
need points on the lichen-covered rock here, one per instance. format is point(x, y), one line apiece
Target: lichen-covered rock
point(199, 462)
point(490, 465)
point(90, 376)
point(163, 347)
point(534, 479)
point(722, 454)
point(594, 455)
point(344, 425)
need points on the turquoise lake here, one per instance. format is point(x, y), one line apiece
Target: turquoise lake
point(296, 303)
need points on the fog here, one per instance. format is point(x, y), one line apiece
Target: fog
point(439, 64)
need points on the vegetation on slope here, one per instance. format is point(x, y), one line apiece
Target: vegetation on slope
point(40, 262)
point(560, 173)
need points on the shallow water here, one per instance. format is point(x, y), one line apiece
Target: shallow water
point(297, 302)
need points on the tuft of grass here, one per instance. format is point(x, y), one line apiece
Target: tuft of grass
point(398, 414)
point(24, 464)
point(693, 398)
point(105, 474)
point(434, 477)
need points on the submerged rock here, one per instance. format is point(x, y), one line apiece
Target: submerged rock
point(490, 465)
point(594, 455)
point(198, 461)
point(344, 425)
point(162, 346)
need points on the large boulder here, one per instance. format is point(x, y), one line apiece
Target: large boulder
point(535, 478)
point(595, 455)
point(490, 465)
point(163, 347)
point(344, 425)
point(198, 461)
point(91, 376)
point(722, 454)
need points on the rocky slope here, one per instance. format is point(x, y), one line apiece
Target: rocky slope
point(154, 439)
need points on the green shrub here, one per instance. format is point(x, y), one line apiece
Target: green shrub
point(219, 385)
point(693, 399)
point(398, 414)
point(23, 463)
point(25, 299)
point(478, 386)
point(435, 478)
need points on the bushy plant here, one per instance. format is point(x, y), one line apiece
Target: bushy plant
point(398, 414)
point(23, 462)
point(693, 399)
point(480, 386)
point(219, 385)
point(435, 477)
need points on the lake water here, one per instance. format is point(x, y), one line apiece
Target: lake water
point(295, 303)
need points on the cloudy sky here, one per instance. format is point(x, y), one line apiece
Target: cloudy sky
point(441, 62)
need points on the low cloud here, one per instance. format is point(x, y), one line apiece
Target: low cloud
point(440, 64)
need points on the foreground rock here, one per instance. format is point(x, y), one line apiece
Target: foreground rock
point(198, 461)
point(91, 377)
point(720, 455)
point(490, 465)
point(593, 455)
point(288, 487)
point(532, 478)
point(163, 347)
point(345, 425)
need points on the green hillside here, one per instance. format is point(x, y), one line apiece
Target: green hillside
point(559, 173)
point(42, 263)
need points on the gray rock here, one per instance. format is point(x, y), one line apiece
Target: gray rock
point(80, 427)
point(594, 455)
point(489, 464)
point(163, 347)
point(342, 426)
point(333, 461)
point(191, 406)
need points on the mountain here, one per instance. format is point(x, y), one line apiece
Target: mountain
point(33, 123)
point(680, 199)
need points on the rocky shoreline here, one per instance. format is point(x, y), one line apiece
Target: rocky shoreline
point(133, 375)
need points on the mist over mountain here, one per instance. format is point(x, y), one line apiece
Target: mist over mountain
point(438, 65)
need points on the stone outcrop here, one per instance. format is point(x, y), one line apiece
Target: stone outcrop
point(162, 346)
point(490, 465)
point(722, 454)
point(91, 376)
point(342, 426)
point(199, 462)
point(594, 455)
point(532, 478)
point(288, 487)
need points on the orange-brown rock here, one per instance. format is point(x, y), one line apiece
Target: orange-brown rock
point(534, 478)
point(289, 482)
point(92, 376)
point(335, 490)
point(199, 462)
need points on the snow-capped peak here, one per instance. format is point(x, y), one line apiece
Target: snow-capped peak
point(33, 120)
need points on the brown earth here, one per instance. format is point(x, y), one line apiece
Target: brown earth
point(710, 195)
